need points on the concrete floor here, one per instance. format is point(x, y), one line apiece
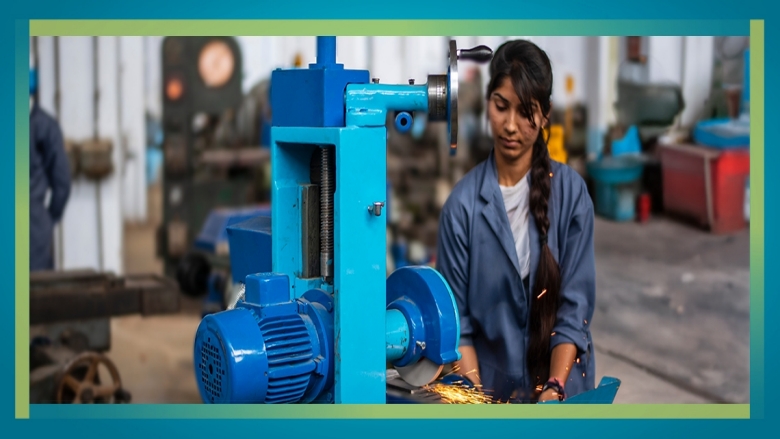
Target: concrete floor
point(154, 354)
point(672, 318)
point(673, 302)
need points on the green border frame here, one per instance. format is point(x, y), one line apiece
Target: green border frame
point(23, 409)
point(379, 27)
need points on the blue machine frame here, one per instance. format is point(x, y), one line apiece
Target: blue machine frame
point(360, 274)
point(358, 139)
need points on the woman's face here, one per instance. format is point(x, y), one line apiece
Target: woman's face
point(513, 134)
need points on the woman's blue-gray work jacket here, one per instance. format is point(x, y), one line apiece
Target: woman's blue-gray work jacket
point(476, 255)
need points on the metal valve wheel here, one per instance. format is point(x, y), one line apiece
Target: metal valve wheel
point(81, 384)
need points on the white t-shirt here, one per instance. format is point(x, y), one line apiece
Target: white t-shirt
point(516, 201)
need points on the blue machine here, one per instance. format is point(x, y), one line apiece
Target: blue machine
point(322, 326)
point(203, 271)
point(213, 236)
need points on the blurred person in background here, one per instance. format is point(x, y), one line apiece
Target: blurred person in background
point(731, 51)
point(634, 68)
point(49, 171)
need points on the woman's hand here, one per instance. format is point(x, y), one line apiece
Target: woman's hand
point(468, 366)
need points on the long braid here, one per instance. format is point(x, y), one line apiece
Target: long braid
point(530, 70)
point(546, 293)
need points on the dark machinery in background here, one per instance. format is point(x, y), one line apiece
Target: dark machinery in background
point(421, 173)
point(70, 331)
point(211, 149)
point(205, 270)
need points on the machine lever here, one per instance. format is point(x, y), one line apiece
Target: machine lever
point(479, 54)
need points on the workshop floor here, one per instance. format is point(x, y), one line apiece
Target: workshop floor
point(672, 318)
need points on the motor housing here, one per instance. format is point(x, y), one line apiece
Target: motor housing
point(268, 349)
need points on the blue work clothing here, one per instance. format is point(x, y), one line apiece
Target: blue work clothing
point(477, 256)
point(49, 170)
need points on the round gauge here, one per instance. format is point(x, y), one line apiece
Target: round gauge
point(216, 63)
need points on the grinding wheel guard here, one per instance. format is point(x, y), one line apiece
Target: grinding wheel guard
point(427, 302)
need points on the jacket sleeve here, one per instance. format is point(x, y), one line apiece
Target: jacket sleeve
point(578, 282)
point(452, 261)
point(57, 167)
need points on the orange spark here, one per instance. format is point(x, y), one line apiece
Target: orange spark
point(459, 394)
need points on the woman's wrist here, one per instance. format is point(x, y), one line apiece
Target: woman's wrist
point(556, 385)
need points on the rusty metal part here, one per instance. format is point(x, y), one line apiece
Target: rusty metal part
point(158, 295)
point(95, 158)
point(248, 157)
point(81, 383)
point(86, 294)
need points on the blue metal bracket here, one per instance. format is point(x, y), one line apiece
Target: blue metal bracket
point(250, 247)
point(360, 271)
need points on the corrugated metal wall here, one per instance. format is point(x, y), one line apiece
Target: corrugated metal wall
point(90, 235)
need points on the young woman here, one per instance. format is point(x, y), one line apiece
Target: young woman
point(516, 246)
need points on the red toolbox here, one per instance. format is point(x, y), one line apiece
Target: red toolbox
point(706, 185)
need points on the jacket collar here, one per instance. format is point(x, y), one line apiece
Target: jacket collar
point(494, 210)
point(494, 213)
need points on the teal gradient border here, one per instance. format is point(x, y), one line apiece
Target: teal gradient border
point(403, 27)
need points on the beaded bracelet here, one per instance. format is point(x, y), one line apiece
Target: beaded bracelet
point(557, 385)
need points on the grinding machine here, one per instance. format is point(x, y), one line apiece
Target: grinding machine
point(327, 324)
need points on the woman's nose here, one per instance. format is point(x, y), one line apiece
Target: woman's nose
point(511, 124)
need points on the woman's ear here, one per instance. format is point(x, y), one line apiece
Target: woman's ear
point(548, 115)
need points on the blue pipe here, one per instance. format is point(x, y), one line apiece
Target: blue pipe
point(326, 50)
point(368, 104)
point(396, 334)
